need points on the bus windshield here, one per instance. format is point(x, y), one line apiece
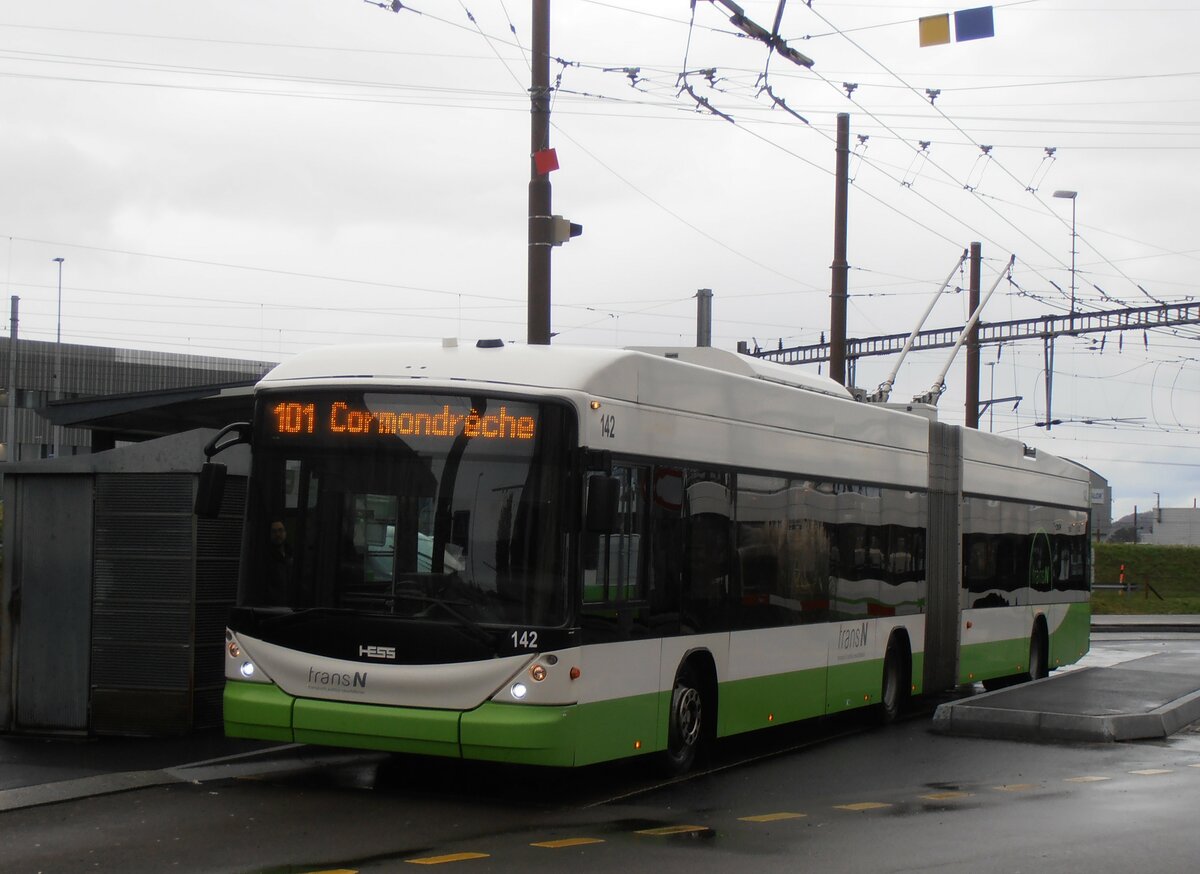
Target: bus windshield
point(434, 507)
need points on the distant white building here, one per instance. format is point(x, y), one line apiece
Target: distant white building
point(1101, 495)
point(1174, 527)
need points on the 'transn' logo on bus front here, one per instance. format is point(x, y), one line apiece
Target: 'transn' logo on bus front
point(318, 679)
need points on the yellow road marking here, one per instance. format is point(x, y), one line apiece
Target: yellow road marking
point(567, 842)
point(1196, 765)
point(771, 817)
point(1016, 787)
point(672, 830)
point(862, 805)
point(1151, 772)
point(946, 796)
point(336, 871)
point(442, 860)
point(1086, 779)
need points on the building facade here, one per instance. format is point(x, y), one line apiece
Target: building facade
point(1101, 498)
point(46, 372)
point(1174, 526)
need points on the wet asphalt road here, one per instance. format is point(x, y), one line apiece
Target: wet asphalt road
point(835, 796)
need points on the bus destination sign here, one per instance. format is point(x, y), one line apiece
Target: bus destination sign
point(347, 419)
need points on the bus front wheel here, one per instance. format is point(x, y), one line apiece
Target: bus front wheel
point(685, 728)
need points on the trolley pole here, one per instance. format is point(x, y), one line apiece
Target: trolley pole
point(972, 412)
point(837, 302)
point(539, 183)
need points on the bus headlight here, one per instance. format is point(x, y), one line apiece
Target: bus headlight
point(240, 665)
point(538, 679)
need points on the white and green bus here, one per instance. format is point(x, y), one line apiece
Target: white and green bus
point(561, 556)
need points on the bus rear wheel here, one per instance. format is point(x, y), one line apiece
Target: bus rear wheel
point(894, 697)
point(685, 727)
point(1038, 657)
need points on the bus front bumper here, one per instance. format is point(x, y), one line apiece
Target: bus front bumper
point(519, 734)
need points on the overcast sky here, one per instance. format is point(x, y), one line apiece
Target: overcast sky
point(254, 179)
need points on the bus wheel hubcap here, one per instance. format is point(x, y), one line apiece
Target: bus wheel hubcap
point(687, 716)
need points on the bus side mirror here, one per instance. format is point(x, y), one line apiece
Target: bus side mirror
point(210, 490)
point(603, 496)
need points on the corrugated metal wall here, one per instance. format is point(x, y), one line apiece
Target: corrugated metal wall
point(142, 622)
point(50, 552)
point(164, 583)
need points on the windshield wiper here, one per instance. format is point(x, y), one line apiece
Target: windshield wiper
point(450, 607)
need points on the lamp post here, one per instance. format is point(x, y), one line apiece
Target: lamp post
point(57, 361)
point(1071, 196)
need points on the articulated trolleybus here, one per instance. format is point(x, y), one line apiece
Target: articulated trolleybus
point(562, 556)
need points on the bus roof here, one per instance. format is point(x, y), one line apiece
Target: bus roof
point(675, 378)
point(605, 372)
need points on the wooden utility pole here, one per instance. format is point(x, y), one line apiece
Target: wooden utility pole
point(837, 299)
point(539, 183)
point(971, 418)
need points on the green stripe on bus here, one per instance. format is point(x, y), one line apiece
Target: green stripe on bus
point(377, 727)
point(918, 673)
point(519, 734)
point(580, 734)
point(996, 658)
point(856, 684)
point(621, 727)
point(760, 702)
point(1071, 640)
point(257, 710)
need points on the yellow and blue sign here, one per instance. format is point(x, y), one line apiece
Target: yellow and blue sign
point(969, 24)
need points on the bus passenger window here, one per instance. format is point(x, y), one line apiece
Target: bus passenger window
point(612, 562)
point(279, 563)
point(708, 566)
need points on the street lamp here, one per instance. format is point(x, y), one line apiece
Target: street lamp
point(57, 361)
point(1071, 196)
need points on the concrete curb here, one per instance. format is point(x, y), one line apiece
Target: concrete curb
point(972, 717)
point(82, 787)
point(243, 765)
point(1179, 713)
point(1180, 623)
point(1146, 628)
